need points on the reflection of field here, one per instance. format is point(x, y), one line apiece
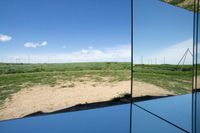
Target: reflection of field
point(25, 89)
point(170, 77)
point(198, 82)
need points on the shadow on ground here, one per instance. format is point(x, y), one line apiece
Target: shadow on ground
point(115, 101)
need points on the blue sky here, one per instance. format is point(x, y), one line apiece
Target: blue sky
point(161, 30)
point(90, 30)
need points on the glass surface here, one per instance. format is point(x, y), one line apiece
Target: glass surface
point(172, 109)
point(104, 120)
point(146, 123)
point(198, 113)
point(197, 100)
point(63, 55)
point(163, 46)
point(113, 119)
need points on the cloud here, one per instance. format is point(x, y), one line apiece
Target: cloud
point(35, 45)
point(64, 46)
point(44, 43)
point(172, 54)
point(5, 38)
point(117, 53)
point(90, 47)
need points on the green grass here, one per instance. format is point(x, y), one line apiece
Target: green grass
point(180, 3)
point(176, 2)
point(14, 77)
point(166, 76)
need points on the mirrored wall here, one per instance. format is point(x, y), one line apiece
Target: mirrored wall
point(196, 95)
point(163, 60)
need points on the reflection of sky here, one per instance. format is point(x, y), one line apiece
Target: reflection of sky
point(92, 30)
point(198, 114)
point(161, 30)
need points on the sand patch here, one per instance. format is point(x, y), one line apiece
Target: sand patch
point(66, 94)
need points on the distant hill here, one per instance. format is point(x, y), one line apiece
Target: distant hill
point(186, 4)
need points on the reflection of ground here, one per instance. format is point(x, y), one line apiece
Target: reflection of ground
point(187, 4)
point(48, 99)
point(198, 82)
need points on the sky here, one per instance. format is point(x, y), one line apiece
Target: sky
point(58, 31)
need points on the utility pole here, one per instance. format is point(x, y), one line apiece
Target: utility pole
point(28, 59)
point(183, 59)
point(141, 60)
point(164, 60)
point(48, 60)
point(1, 59)
point(155, 60)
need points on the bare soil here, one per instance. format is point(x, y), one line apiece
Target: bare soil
point(67, 94)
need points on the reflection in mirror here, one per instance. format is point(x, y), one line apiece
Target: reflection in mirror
point(197, 92)
point(63, 55)
point(163, 50)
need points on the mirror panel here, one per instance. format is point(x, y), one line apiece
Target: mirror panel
point(163, 50)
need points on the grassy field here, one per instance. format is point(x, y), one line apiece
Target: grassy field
point(14, 77)
point(169, 77)
point(187, 4)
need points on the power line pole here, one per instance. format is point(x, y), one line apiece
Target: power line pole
point(164, 60)
point(183, 59)
point(141, 60)
point(28, 59)
point(1, 59)
point(155, 60)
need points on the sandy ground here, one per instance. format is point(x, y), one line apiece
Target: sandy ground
point(198, 82)
point(47, 99)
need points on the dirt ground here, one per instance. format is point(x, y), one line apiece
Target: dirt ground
point(47, 99)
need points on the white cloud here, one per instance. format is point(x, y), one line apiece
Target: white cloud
point(90, 54)
point(35, 45)
point(5, 38)
point(83, 51)
point(90, 47)
point(172, 54)
point(64, 46)
point(117, 53)
point(44, 43)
